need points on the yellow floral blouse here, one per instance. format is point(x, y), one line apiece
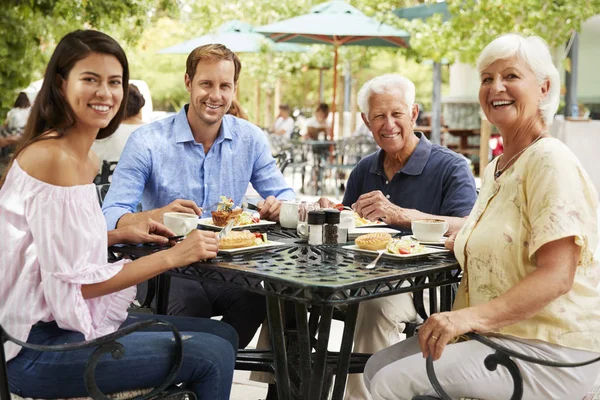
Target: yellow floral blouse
point(544, 196)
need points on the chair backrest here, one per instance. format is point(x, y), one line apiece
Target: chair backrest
point(101, 190)
point(105, 175)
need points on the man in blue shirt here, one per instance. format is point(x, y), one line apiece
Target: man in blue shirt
point(408, 178)
point(184, 163)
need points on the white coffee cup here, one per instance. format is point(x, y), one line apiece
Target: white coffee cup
point(180, 223)
point(429, 230)
point(288, 214)
point(302, 229)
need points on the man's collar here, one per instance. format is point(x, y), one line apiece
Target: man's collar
point(183, 131)
point(416, 162)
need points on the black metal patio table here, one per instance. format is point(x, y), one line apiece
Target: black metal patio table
point(323, 277)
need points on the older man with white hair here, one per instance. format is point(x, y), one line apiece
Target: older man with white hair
point(408, 178)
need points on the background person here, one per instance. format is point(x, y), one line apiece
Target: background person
point(57, 286)
point(284, 123)
point(318, 127)
point(530, 280)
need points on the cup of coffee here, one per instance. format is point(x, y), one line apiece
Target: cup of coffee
point(288, 214)
point(429, 230)
point(180, 223)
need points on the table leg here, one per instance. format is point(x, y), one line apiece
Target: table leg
point(318, 373)
point(433, 301)
point(304, 348)
point(162, 294)
point(446, 298)
point(341, 374)
point(4, 391)
point(282, 374)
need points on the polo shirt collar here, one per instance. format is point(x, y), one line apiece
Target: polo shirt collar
point(183, 132)
point(416, 163)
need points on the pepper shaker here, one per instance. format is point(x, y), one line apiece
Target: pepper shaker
point(330, 229)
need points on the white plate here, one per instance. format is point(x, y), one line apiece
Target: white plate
point(356, 232)
point(438, 243)
point(372, 224)
point(249, 249)
point(208, 223)
point(428, 250)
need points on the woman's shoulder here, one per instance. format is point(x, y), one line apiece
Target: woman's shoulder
point(47, 161)
point(551, 152)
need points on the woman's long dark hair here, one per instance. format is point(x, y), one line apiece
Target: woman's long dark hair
point(51, 111)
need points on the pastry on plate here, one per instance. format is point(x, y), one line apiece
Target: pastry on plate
point(373, 241)
point(237, 239)
point(225, 212)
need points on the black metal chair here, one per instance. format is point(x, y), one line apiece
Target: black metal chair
point(105, 344)
point(105, 175)
point(502, 356)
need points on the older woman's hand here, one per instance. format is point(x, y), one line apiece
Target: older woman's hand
point(441, 328)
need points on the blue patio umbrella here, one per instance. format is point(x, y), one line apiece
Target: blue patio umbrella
point(238, 36)
point(339, 24)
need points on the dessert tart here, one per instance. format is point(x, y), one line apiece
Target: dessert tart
point(225, 211)
point(373, 241)
point(237, 239)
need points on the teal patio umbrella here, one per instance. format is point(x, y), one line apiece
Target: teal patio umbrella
point(238, 36)
point(339, 24)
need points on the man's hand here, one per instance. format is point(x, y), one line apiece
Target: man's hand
point(179, 205)
point(450, 241)
point(269, 208)
point(148, 231)
point(374, 205)
point(324, 202)
point(198, 245)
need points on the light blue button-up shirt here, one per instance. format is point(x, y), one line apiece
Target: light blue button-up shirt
point(162, 162)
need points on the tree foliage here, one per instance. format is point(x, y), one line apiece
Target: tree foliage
point(30, 29)
point(475, 23)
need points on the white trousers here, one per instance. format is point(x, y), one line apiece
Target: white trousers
point(399, 372)
point(379, 325)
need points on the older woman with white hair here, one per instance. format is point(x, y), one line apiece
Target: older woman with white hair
point(530, 281)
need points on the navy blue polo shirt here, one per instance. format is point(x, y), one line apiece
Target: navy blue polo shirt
point(435, 180)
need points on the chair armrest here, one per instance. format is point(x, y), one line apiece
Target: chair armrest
point(108, 344)
point(502, 356)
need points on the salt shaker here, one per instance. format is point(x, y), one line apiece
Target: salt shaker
point(346, 225)
point(330, 230)
point(316, 219)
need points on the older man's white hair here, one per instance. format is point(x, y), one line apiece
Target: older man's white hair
point(533, 50)
point(386, 84)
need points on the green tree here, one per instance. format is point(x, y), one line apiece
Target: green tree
point(475, 23)
point(30, 29)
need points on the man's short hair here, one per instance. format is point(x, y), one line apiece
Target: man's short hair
point(385, 84)
point(284, 107)
point(212, 52)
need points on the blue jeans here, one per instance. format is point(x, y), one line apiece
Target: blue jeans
point(209, 352)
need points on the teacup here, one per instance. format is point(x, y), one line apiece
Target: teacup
point(429, 230)
point(302, 229)
point(180, 223)
point(288, 214)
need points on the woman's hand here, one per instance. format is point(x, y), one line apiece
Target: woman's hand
point(148, 231)
point(198, 245)
point(441, 328)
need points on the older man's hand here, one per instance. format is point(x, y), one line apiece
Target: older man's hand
point(374, 206)
point(324, 202)
point(269, 208)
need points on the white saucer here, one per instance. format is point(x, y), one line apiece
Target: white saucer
point(438, 243)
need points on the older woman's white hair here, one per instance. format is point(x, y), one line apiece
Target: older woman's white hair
point(533, 50)
point(385, 84)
